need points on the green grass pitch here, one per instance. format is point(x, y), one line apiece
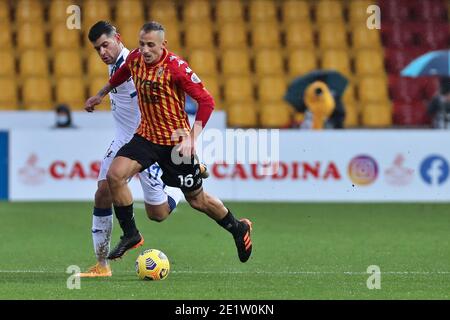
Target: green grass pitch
point(301, 251)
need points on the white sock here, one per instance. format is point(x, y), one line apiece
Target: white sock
point(101, 236)
point(173, 193)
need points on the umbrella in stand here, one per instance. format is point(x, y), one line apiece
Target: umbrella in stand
point(434, 63)
point(335, 81)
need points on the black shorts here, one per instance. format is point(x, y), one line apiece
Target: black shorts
point(184, 175)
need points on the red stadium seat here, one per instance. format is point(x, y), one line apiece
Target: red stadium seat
point(433, 35)
point(396, 35)
point(433, 11)
point(406, 89)
point(410, 113)
point(397, 59)
point(399, 10)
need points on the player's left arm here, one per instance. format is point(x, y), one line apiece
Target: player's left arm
point(192, 85)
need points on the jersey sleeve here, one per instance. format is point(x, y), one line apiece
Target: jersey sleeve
point(124, 73)
point(185, 78)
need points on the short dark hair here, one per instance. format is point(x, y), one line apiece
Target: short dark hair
point(100, 28)
point(152, 26)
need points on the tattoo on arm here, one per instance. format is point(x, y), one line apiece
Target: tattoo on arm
point(105, 90)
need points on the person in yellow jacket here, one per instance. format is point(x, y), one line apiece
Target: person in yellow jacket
point(320, 102)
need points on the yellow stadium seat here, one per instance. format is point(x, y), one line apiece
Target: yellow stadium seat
point(271, 89)
point(95, 66)
point(377, 115)
point(212, 85)
point(262, 11)
point(301, 61)
point(203, 62)
point(172, 36)
point(63, 38)
point(265, 35)
point(29, 11)
point(129, 11)
point(268, 62)
point(6, 35)
point(162, 11)
point(8, 98)
point(332, 36)
point(242, 115)
point(93, 11)
point(67, 63)
point(197, 36)
point(357, 10)
point(369, 62)
point(129, 34)
point(329, 10)
point(338, 60)
point(30, 35)
point(229, 11)
point(95, 84)
point(33, 63)
point(364, 38)
point(196, 10)
point(276, 115)
point(299, 34)
point(238, 89)
point(348, 98)
point(37, 93)
point(70, 90)
point(58, 11)
point(8, 65)
point(4, 12)
point(235, 62)
point(372, 89)
point(232, 35)
point(351, 107)
point(295, 10)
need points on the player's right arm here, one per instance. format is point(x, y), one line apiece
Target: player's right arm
point(119, 77)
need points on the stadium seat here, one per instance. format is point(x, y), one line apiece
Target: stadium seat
point(357, 11)
point(95, 84)
point(372, 89)
point(8, 65)
point(232, 35)
point(332, 36)
point(162, 11)
point(413, 113)
point(6, 35)
point(238, 89)
point(399, 10)
point(433, 35)
point(276, 115)
point(295, 10)
point(8, 98)
point(301, 61)
point(67, 63)
point(299, 35)
point(129, 11)
point(262, 11)
point(63, 38)
point(37, 93)
point(229, 11)
point(28, 11)
point(57, 11)
point(129, 34)
point(4, 12)
point(172, 36)
point(95, 66)
point(271, 89)
point(203, 62)
point(235, 62)
point(329, 11)
point(398, 35)
point(351, 117)
point(376, 115)
point(338, 60)
point(432, 11)
point(369, 62)
point(396, 60)
point(33, 63)
point(211, 84)
point(406, 89)
point(268, 62)
point(265, 35)
point(70, 90)
point(198, 36)
point(242, 115)
point(363, 38)
point(30, 36)
point(196, 10)
point(93, 11)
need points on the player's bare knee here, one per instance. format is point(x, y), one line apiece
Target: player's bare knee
point(114, 179)
point(156, 218)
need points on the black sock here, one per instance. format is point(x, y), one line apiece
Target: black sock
point(126, 219)
point(229, 223)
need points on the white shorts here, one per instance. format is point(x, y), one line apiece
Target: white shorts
point(150, 178)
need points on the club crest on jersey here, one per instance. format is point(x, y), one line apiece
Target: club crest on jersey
point(160, 72)
point(195, 78)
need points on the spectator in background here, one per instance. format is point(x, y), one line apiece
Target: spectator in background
point(439, 106)
point(320, 102)
point(63, 117)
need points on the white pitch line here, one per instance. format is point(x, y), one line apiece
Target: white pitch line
point(257, 272)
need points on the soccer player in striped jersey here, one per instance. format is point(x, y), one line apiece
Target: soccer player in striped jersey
point(164, 135)
point(159, 199)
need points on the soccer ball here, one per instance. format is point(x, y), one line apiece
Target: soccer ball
point(152, 264)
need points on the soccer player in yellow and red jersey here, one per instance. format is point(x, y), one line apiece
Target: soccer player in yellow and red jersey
point(164, 135)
